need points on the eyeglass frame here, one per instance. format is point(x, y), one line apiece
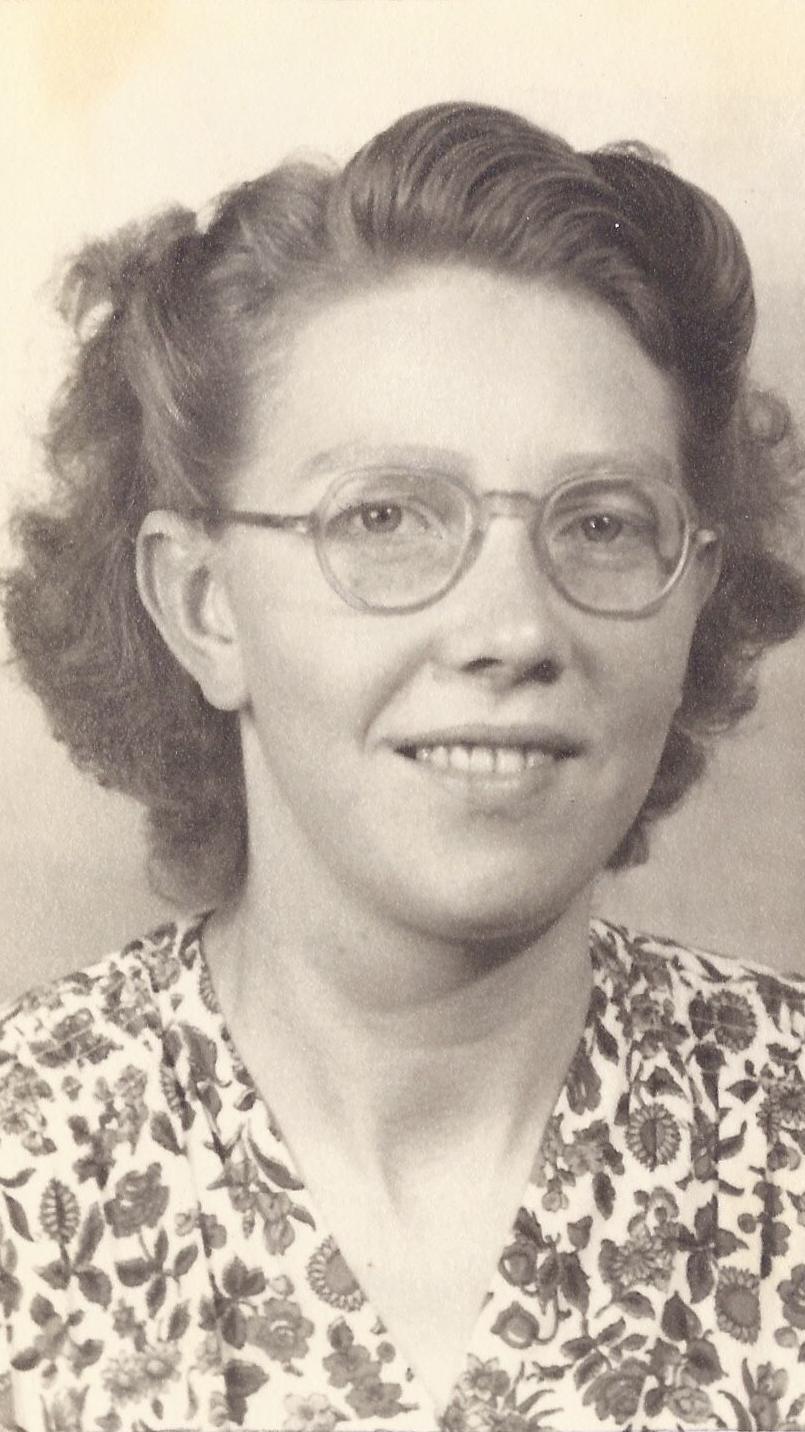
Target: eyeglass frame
point(483, 508)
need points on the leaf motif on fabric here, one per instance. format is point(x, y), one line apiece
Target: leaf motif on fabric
point(699, 1273)
point(56, 1275)
point(242, 1282)
point(59, 1213)
point(593, 1364)
point(133, 1272)
point(87, 1354)
point(155, 1296)
point(302, 1215)
point(18, 1180)
point(91, 1235)
point(637, 1304)
point(607, 1043)
point(23, 1361)
point(604, 1194)
point(276, 1171)
point(660, 1081)
point(744, 1089)
point(702, 1360)
point(179, 1322)
point(184, 1260)
point(574, 1284)
point(679, 1322)
point(42, 1310)
point(654, 1401)
point(203, 1053)
point(18, 1218)
point(162, 1132)
point(242, 1379)
point(579, 1232)
point(95, 1285)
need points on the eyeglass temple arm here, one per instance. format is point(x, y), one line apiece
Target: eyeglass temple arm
point(288, 522)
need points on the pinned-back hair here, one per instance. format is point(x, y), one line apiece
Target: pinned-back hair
point(175, 325)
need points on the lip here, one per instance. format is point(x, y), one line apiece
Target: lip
point(531, 736)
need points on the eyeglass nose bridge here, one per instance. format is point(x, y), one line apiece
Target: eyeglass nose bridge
point(508, 504)
point(502, 503)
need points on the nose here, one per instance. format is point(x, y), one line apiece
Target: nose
point(505, 621)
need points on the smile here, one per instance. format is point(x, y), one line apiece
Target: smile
point(483, 761)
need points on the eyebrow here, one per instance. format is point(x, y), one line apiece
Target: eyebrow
point(642, 462)
point(370, 457)
point(366, 457)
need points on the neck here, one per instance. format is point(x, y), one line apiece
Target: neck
point(404, 1044)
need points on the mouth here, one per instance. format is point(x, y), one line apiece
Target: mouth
point(489, 756)
point(481, 760)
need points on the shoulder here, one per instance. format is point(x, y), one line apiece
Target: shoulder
point(63, 1042)
point(94, 1121)
point(736, 1003)
point(722, 1041)
point(74, 1017)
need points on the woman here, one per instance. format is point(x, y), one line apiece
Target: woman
point(414, 526)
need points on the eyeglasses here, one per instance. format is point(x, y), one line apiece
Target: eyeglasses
point(391, 541)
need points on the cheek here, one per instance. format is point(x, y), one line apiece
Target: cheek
point(643, 677)
point(315, 674)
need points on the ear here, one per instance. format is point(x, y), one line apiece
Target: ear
point(708, 557)
point(181, 583)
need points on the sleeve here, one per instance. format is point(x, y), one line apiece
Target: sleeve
point(20, 1114)
point(84, 1128)
point(49, 1079)
point(760, 1236)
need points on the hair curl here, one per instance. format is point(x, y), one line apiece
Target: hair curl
point(174, 323)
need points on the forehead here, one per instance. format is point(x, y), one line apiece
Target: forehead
point(496, 372)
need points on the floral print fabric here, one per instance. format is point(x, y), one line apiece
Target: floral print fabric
point(162, 1264)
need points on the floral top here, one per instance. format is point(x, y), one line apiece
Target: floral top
point(162, 1264)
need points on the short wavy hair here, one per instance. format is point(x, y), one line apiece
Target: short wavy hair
point(177, 324)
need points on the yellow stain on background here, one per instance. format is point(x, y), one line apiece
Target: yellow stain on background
point(87, 48)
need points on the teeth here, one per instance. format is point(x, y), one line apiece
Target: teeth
point(482, 760)
point(510, 762)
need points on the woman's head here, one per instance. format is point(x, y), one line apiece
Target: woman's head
point(188, 333)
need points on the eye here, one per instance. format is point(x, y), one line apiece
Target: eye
point(601, 527)
point(380, 517)
point(614, 527)
point(391, 518)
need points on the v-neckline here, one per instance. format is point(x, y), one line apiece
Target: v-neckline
point(261, 1122)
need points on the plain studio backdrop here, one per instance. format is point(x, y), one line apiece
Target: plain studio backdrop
point(112, 108)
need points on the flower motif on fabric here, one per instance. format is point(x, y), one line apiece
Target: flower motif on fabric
point(65, 1410)
point(73, 1040)
point(734, 1023)
point(22, 1115)
point(351, 1365)
point(738, 1304)
point(654, 1276)
point(311, 1414)
point(653, 1135)
point(330, 1278)
point(617, 1393)
point(784, 1105)
point(792, 1292)
point(280, 1330)
point(143, 1373)
point(139, 1201)
point(517, 1326)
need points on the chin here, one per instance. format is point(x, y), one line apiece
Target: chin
point(491, 911)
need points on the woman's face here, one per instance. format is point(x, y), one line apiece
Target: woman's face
point(505, 384)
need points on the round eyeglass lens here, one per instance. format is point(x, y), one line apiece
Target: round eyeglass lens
point(614, 545)
point(393, 540)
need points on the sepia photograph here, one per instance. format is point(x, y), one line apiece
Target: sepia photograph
point(402, 677)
